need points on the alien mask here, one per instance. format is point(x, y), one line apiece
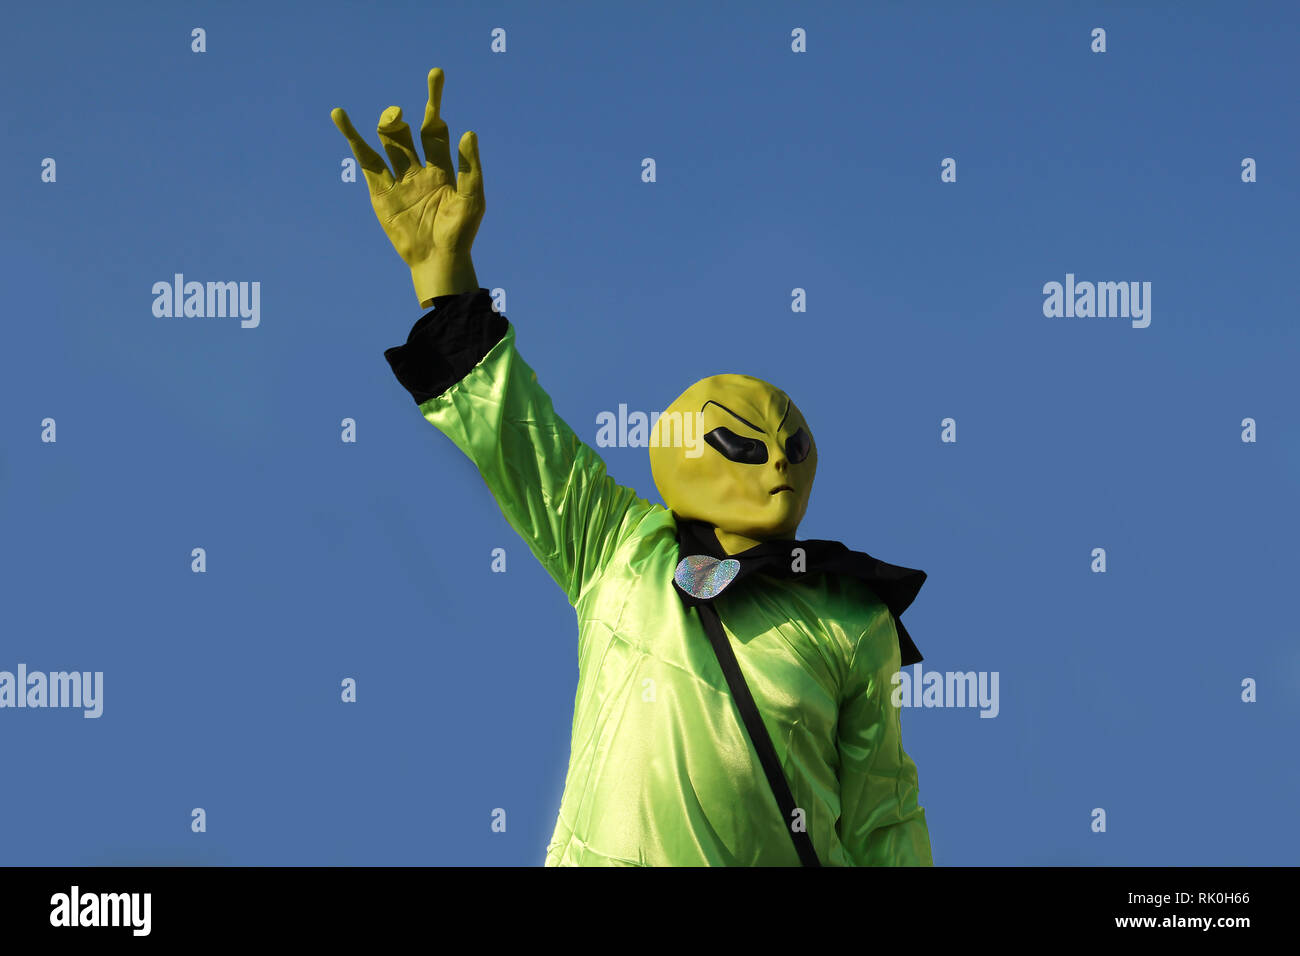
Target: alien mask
point(756, 472)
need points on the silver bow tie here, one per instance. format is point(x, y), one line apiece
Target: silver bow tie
point(703, 576)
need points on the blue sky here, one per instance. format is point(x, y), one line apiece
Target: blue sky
point(775, 171)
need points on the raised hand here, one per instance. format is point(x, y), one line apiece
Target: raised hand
point(430, 212)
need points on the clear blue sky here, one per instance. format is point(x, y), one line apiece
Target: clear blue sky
point(775, 170)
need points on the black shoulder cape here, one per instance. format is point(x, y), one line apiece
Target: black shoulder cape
point(896, 586)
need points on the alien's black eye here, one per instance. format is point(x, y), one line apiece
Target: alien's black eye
point(797, 446)
point(747, 451)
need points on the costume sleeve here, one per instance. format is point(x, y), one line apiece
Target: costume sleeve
point(881, 822)
point(461, 367)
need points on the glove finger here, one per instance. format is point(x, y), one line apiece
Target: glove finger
point(396, 137)
point(469, 181)
point(433, 131)
point(378, 178)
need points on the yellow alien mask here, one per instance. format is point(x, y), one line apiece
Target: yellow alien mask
point(752, 473)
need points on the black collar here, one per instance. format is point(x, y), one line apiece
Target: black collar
point(895, 586)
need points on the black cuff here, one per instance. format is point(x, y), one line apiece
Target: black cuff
point(446, 343)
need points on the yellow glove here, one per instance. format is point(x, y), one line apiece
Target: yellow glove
point(430, 221)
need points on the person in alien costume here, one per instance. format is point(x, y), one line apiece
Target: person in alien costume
point(709, 596)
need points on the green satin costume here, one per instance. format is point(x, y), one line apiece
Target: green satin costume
point(661, 771)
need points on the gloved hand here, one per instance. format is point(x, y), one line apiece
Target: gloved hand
point(430, 220)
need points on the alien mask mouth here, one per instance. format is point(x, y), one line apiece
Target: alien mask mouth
point(780, 488)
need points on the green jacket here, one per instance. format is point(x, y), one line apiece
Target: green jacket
point(661, 771)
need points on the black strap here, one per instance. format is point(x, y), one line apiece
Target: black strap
point(758, 735)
